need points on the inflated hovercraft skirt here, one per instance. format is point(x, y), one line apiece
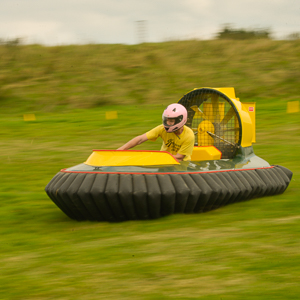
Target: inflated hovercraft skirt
point(128, 196)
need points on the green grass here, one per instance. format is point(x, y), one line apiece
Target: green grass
point(247, 250)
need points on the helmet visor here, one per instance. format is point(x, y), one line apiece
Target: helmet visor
point(167, 122)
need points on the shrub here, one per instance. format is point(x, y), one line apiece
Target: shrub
point(227, 32)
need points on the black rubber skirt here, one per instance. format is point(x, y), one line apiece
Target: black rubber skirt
point(118, 197)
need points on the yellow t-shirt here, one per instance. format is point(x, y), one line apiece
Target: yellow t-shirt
point(172, 143)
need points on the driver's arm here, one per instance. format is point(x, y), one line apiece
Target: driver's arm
point(134, 142)
point(179, 157)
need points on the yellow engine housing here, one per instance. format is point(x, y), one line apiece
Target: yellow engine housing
point(246, 112)
point(206, 153)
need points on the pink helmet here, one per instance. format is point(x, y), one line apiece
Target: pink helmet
point(174, 111)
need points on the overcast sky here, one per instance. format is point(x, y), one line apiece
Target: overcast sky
point(57, 22)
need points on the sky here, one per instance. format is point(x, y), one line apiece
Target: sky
point(60, 22)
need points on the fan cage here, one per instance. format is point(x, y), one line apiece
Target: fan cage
point(214, 119)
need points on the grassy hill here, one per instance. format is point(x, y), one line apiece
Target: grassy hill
point(247, 250)
point(45, 78)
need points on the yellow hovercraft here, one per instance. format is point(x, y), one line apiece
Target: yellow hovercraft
point(126, 185)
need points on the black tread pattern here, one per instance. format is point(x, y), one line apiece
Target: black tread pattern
point(120, 197)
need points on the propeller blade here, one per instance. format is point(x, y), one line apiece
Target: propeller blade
point(198, 111)
point(216, 108)
point(228, 116)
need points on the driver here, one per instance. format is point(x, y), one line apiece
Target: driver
point(178, 139)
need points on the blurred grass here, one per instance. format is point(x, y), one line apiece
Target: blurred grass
point(248, 250)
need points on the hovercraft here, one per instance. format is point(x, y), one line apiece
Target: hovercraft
point(124, 185)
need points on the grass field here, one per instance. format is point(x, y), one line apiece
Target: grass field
point(247, 250)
